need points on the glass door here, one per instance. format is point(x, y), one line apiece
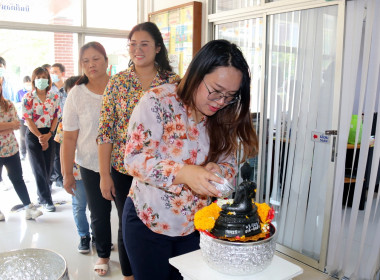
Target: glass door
point(295, 109)
point(302, 110)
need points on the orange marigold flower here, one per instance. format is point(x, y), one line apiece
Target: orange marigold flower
point(263, 210)
point(205, 218)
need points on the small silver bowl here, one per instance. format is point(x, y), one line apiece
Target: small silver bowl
point(226, 188)
point(32, 263)
point(238, 258)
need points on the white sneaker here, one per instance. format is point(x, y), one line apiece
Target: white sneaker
point(2, 218)
point(31, 212)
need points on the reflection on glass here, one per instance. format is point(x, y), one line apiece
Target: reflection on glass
point(26, 50)
point(116, 49)
point(113, 14)
point(248, 35)
point(59, 12)
point(226, 5)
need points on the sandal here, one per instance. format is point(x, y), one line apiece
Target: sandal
point(99, 267)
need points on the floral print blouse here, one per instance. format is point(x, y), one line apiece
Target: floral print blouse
point(123, 92)
point(59, 138)
point(8, 142)
point(162, 137)
point(41, 113)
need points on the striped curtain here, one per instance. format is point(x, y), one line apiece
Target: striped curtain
point(354, 242)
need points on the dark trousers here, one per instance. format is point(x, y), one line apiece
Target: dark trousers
point(41, 163)
point(122, 183)
point(100, 212)
point(56, 174)
point(22, 137)
point(149, 252)
point(13, 166)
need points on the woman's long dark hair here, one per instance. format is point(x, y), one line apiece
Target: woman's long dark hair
point(161, 59)
point(233, 123)
point(95, 45)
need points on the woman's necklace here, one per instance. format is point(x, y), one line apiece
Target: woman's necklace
point(146, 80)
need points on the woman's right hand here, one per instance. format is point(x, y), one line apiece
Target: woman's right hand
point(107, 187)
point(69, 183)
point(198, 178)
point(45, 146)
point(16, 124)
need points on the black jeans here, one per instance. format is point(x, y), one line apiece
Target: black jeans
point(100, 212)
point(56, 174)
point(22, 137)
point(13, 166)
point(122, 183)
point(41, 163)
point(149, 252)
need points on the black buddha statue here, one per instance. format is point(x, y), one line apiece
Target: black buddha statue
point(239, 218)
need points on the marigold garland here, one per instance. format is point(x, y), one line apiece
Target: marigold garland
point(204, 220)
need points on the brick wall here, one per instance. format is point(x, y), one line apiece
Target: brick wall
point(64, 47)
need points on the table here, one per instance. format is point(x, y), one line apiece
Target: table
point(192, 267)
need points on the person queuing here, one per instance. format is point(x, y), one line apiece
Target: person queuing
point(57, 74)
point(80, 123)
point(149, 67)
point(10, 156)
point(40, 112)
point(177, 138)
point(7, 93)
point(27, 86)
point(79, 200)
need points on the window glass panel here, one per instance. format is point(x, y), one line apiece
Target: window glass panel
point(35, 49)
point(113, 14)
point(248, 35)
point(116, 49)
point(60, 12)
point(226, 5)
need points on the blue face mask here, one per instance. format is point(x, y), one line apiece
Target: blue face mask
point(2, 72)
point(41, 84)
point(54, 78)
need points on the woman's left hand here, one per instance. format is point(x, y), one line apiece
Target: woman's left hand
point(213, 167)
point(44, 138)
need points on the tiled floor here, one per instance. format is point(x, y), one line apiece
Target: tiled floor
point(56, 231)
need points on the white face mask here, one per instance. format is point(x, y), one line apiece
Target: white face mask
point(54, 78)
point(2, 72)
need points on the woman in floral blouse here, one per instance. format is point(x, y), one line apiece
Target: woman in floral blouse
point(149, 67)
point(177, 138)
point(40, 112)
point(10, 156)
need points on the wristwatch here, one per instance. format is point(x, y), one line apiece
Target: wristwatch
point(51, 132)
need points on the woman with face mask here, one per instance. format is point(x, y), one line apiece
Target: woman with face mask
point(40, 112)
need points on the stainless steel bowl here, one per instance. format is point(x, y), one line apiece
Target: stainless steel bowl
point(226, 188)
point(238, 258)
point(32, 263)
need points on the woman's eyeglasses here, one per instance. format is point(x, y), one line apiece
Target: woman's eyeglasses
point(142, 46)
point(217, 95)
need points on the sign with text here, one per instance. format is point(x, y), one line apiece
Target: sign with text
point(320, 137)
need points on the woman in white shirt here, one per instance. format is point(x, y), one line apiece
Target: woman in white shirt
point(80, 125)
